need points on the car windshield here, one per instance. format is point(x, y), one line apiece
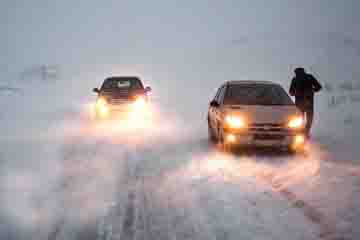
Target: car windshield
point(122, 83)
point(256, 94)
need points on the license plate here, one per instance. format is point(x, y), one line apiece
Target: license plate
point(267, 142)
point(268, 137)
point(120, 108)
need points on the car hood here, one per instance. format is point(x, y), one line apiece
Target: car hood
point(274, 114)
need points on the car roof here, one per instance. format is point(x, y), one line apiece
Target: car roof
point(238, 82)
point(122, 77)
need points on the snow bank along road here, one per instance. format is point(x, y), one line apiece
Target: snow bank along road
point(154, 185)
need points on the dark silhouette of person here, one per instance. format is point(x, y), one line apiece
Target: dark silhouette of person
point(303, 86)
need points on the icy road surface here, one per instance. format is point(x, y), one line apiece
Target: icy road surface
point(81, 181)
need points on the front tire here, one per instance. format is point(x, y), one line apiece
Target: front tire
point(301, 151)
point(289, 150)
point(227, 148)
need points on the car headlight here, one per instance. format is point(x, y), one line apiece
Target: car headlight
point(296, 123)
point(235, 122)
point(101, 107)
point(139, 104)
point(101, 102)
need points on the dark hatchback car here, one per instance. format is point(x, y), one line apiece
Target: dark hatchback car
point(119, 96)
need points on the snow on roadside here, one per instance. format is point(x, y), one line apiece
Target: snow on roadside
point(325, 188)
point(334, 191)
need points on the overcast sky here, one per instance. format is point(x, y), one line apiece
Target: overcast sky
point(177, 44)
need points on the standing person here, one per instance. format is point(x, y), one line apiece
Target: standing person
point(303, 86)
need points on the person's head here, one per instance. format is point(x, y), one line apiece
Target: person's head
point(299, 71)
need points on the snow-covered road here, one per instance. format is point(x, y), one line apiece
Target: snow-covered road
point(170, 183)
point(199, 194)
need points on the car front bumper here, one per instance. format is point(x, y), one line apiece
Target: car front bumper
point(294, 140)
point(112, 114)
point(116, 111)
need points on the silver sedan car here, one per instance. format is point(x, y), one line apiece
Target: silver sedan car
point(255, 113)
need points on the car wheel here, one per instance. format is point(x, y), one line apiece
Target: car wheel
point(300, 151)
point(226, 148)
point(289, 150)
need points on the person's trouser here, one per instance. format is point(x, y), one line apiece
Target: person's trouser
point(306, 106)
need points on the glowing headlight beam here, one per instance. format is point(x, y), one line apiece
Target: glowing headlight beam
point(230, 138)
point(235, 122)
point(139, 104)
point(299, 140)
point(101, 107)
point(101, 102)
point(103, 111)
point(296, 123)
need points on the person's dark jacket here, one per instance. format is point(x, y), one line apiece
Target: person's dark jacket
point(304, 85)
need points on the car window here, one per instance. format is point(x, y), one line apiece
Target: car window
point(121, 83)
point(221, 95)
point(256, 94)
point(218, 97)
point(217, 94)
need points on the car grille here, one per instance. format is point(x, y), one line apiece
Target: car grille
point(118, 101)
point(268, 127)
point(121, 93)
point(122, 96)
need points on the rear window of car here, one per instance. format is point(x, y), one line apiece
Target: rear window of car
point(122, 83)
point(256, 94)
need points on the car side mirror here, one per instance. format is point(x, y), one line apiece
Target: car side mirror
point(96, 90)
point(214, 103)
point(148, 89)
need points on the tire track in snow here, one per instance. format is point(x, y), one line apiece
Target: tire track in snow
point(327, 228)
point(120, 222)
point(152, 212)
point(128, 227)
point(57, 229)
point(142, 205)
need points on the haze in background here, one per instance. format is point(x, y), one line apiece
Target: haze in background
point(183, 49)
